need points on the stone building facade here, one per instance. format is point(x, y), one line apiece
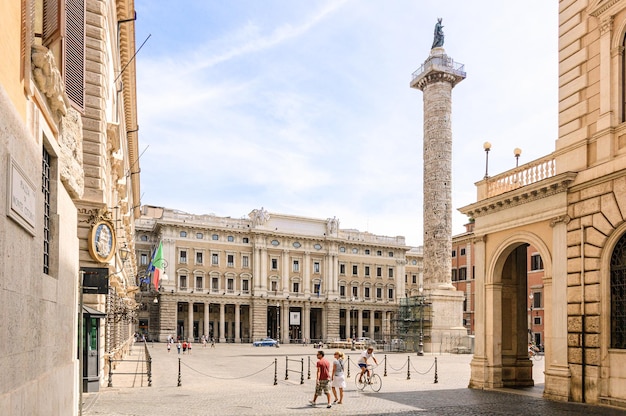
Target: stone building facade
point(570, 206)
point(65, 152)
point(287, 277)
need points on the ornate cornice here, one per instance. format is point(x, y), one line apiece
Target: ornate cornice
point(606, 25)
point(560, 219)
point(601, 6)
point(533, 192)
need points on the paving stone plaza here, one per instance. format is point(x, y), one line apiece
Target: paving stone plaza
point(238, 379)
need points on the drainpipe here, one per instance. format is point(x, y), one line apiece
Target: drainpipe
point(582, 308)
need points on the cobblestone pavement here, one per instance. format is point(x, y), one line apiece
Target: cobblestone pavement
point(233, 379)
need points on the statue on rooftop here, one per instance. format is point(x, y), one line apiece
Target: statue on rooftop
point(438, 39)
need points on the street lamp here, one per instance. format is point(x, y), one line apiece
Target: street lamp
point(353, 325)
point(517, 152)
point(487, 147)
point(278, 321)
point(420, 350)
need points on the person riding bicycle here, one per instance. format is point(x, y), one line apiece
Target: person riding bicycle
point(363, 361)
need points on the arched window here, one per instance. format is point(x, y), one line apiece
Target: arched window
point(618, 295)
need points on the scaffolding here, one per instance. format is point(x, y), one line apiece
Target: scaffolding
point(412, 324)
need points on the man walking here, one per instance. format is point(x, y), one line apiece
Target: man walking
point(322, 379)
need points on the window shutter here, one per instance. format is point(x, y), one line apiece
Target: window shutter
point(51, 21)
point(75, 52)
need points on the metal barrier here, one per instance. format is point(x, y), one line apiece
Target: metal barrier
point(287, 370)
point(147, 361)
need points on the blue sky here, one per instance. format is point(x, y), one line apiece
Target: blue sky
point(304, 107)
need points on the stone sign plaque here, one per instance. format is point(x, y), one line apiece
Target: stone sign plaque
point(21, 198)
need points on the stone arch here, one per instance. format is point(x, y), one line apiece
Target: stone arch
point(605, 289)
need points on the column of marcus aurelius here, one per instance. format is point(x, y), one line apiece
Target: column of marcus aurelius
point(436, 78)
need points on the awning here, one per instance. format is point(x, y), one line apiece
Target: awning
point(91, 311)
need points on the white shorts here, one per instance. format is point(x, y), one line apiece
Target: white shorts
point(339, 382)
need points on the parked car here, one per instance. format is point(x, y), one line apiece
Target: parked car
point(366, 341)
point(266, 342)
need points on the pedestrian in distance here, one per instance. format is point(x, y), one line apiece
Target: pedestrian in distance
point(189, 347)
point(169, 346)
point(338, 378)
point(179, 346)
point(184, 347)
point(322, 379)
point(212, 342)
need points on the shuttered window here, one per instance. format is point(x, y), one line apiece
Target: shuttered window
point(51, 21)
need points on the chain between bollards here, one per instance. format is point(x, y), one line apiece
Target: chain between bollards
point(179, 375)
point(385, 374)
point(436, 379)
point(408, 368)
point(275, 371)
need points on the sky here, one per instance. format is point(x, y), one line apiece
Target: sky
point(303, 107)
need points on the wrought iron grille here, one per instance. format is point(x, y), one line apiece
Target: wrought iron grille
point(45, 188)
point(618, 295)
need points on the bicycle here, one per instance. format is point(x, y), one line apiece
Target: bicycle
point(373, 380)
point(533, 353)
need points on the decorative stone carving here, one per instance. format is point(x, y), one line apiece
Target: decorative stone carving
point(332, 225)
point(49, 80)
point(71, 157)
point(259, 217)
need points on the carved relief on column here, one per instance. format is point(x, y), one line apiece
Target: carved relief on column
point(561, 218)
point(606, 25)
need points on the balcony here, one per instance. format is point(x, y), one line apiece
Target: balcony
point(524, 175)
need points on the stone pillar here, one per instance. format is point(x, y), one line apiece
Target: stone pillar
point(284, 322)
point(436, 78)
point(190, 321)
point(348, 325)
point(306, 321)
point(372, 324)
point(237, 323)
point(306, 273)
point(359, 329)
point(285, 273)
point(222, 322)
point(206, 319)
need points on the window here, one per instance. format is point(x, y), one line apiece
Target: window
point(183, 282)
point(199, 236)
point(462, 252)
point(297, 244)
point(355, 292)
point(296, 287)
point(390, 293)
point(536, 263)
point(342, 249)
point(275, 243)
point(317, 288)
point(342, 268)
point(355, 269)
point(199, 257)
point(144, 259)
point(537, 320)
point(45, 188)
point(317, 246)
point(355, 251)
point(183, 256)
point(342, 291)
point(274, 286)
point(215, 237)
point(454, 279)
point(199, 282)
point(144, 238)
point(245, 240)
point(296, 266)
point(367, 292)
point(463, 273)
point(379, 272)
point(379, 253)
point(537, 300)
point(215, 259)
point(245, 262)
point(390, 273)
point(183, 233)
point(414, 279)
point(406, 278)
point(230, 260)
point(274, 264)
point(453, 253)
point(230, 285)
point(215, 284)
point(379, 293)
point(245, 286)
point(367, 251)
point(230, 238)
point(367, 271)
point(316, 267)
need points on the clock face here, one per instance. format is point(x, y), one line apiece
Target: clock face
point(102, 242)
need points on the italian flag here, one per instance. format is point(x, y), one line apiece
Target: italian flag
point(158, 265)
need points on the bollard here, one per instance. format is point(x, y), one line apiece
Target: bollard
point(110, 373)
point(348, 367)
point(385, 374)
point(308, 377)
point(275, 371)
point(286, 368)
point(179, 375)
point(149, 368)
point(436, 379)
point(408, 368)
point(301, 370)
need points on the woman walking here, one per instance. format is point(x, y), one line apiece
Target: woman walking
point(338, 379)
